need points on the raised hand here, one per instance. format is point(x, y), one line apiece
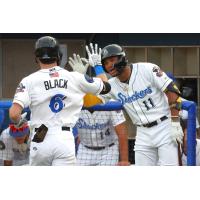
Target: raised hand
point(78, 64)
point(94, 55)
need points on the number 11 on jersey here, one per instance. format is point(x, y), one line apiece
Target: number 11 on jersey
point(149, 103)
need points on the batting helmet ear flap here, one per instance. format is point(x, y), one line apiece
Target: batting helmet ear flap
point(122, 62)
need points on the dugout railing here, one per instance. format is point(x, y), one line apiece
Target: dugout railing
point(114, 105)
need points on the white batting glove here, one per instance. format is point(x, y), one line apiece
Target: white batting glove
point(177, 132)
point(22, 121)
point(94, 55)
point(78, 65)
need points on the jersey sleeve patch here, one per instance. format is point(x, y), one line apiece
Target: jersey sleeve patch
point(89, 79)
point(158, 71)
point(20, 88)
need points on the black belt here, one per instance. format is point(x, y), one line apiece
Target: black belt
point(154, 123)
point(99, 148)
point(64, 128)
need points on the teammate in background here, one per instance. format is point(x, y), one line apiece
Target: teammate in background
point(15, 149)
point(143, 89)
point(184, 116)
point(102, 134)
point(99, 133)
point(186, 94)
point(55, 97)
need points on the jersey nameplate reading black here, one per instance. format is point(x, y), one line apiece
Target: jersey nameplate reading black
point(56, 83)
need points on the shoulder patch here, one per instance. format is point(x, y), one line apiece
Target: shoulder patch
point(20, 88)
point(88, 79)
point(158, 71)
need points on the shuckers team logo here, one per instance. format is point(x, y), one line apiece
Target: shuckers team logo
point(84, 125)
point(137, 95)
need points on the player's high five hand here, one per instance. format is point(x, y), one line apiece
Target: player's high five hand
point(77, 64)
point(94, 55)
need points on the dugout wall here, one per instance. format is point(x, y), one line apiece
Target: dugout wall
point(166, 50)
point(17, 60)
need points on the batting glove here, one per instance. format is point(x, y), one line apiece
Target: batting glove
point(22, 121)
point(94, 55)
point(78, 65)
point(177, 132)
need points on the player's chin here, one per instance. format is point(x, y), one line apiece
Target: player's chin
point(114, 73)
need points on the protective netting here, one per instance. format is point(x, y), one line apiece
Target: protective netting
point(98, 139)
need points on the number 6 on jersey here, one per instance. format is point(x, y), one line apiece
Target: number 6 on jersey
point(56, 103)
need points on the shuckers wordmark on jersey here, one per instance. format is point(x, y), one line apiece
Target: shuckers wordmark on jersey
point(56, 83)
point(137, 95)
point(82, 124)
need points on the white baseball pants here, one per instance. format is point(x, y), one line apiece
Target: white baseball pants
point(89, 157)
point(57, 149)
point(154, 146)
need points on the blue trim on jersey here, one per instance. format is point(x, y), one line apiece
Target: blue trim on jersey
point(75, 131)
point(88, 79)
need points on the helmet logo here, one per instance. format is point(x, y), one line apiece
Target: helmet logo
point(105, 52)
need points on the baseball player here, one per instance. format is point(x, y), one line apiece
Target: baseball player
point(187, 94)
point(145, 90)
point(15, 148)
point(99, 131)
point(55, 98)
point(184, 154)
point(184, 116)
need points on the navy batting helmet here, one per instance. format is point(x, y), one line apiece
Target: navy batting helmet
point(112, 51)
point(47, 50)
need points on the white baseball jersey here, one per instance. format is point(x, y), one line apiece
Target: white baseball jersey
point(14, 151)
point(184, 158)
point(55, 96)
point(97, 129)
point(143, 97)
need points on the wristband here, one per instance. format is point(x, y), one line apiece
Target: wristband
point(99, 70)
point(179, 103)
